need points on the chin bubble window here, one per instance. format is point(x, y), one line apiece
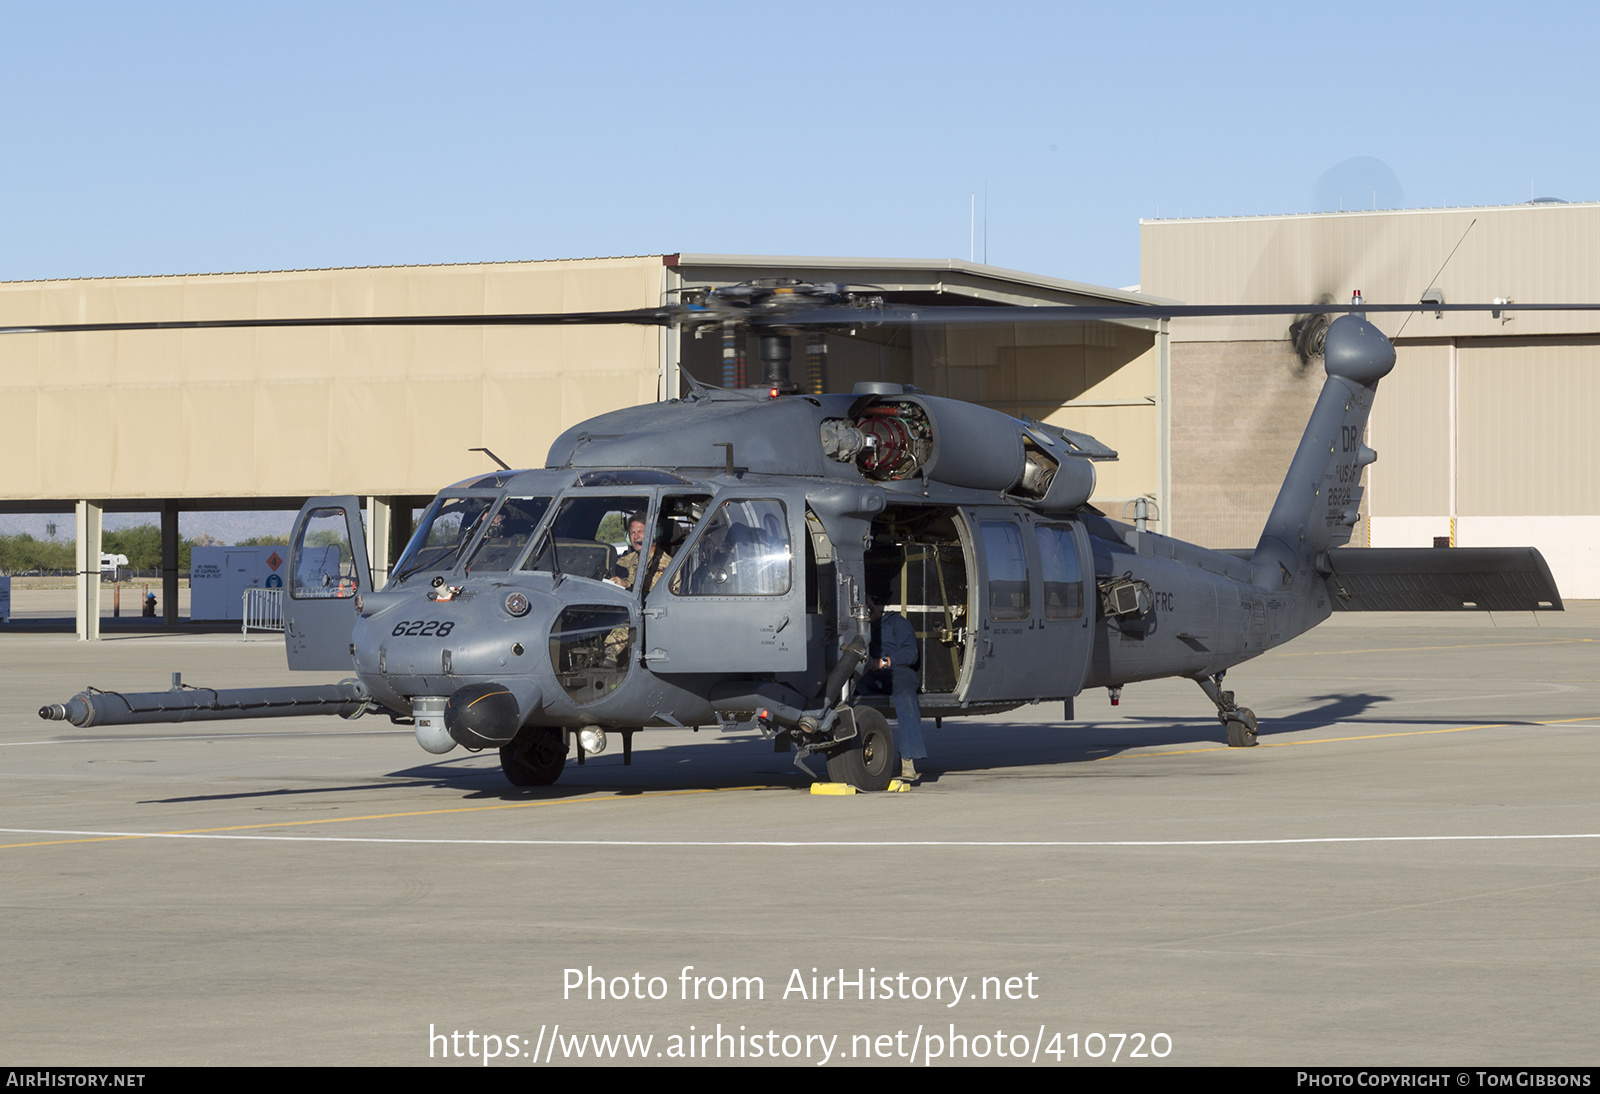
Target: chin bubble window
point(591, 647)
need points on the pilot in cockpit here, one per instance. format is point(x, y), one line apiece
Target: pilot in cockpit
point(626, 571)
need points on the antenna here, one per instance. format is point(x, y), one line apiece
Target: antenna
point(1436, 274)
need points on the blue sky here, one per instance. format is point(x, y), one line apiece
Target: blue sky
point(171, 138)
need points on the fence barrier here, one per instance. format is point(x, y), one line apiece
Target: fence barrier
point(263, 611)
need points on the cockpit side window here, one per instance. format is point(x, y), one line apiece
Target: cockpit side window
point(743, 549)
point(658, 547)
point(444, 532)
point(324, 564)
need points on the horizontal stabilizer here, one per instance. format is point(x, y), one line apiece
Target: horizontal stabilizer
point(1441, 579)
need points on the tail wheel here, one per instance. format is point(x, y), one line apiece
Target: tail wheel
point(536, 756)
point(867, 760)
point(1242, 728)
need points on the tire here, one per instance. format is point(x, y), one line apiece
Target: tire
point(536, 756)
point(868, 760)
point(1242, 729)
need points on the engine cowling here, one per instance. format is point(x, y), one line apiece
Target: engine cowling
point(960, 444)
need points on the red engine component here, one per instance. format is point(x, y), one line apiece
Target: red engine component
point(891, 445)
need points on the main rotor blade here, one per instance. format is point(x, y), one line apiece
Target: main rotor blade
point(778, 318)
point(1068, 313)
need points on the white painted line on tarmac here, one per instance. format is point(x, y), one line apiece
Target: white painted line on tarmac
point(85, 834)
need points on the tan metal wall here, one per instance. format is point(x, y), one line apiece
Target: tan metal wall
point(284, 412)
point(1519, 252)
point(1499, 455)
point(1099, 378)
point(1527, 438)
point(1238, 410)
point(1524, 438)
point(393, 412)
point(1410, 429)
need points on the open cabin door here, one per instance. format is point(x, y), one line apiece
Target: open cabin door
point(327, 568)
point(1031, 635)
point(735, 600)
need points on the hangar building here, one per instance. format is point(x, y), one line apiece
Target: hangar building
point(167, 421)
point(1482, 429)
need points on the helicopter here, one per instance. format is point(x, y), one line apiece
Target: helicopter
point(769, 521)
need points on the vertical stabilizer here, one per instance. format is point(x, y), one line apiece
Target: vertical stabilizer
point(1321, 496)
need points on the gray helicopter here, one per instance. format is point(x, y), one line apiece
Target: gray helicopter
point(765, 522)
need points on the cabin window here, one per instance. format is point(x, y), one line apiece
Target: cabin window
point(1007, 564)
point(1063, 574)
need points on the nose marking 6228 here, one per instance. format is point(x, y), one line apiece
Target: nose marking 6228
point(423, 628)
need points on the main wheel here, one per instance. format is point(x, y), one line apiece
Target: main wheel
point(1242, 728)
point(867, 760)
point(536, 756)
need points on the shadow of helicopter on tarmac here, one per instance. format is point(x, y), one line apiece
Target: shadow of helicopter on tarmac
point(747, 761)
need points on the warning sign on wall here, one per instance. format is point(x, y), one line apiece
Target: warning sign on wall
point(218, 577)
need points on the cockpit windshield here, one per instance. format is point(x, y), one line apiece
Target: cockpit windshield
point(443, 533)
point(508, 532)
point(587, 533)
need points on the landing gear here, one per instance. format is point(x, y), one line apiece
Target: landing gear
point(867, 761)
point(1242, 728)
point(536, 756)
point(1240, 721)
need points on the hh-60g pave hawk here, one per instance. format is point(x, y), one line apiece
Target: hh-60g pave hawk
point(768, 519)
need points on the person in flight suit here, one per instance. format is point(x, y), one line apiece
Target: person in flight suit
point(626, 574)
point(627, 568)
point(890, 657)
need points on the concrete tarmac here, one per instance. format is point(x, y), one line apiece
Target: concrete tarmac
point(1407, 871)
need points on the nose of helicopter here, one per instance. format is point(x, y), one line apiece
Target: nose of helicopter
point(470, 670)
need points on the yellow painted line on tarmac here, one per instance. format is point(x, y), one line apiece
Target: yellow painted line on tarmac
point(1357, 737)
point(53, 842)
point(387, 816)
point(1417, 649)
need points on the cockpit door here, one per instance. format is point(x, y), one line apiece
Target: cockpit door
point(327, 569)
point(734, 601)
